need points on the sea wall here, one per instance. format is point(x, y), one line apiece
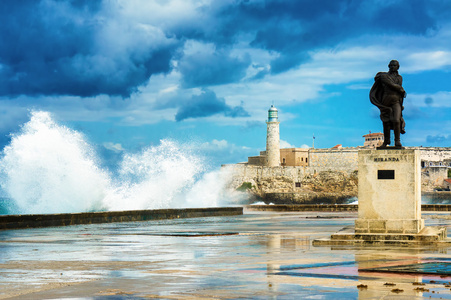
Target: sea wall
point(333, 208)
point(48, 220)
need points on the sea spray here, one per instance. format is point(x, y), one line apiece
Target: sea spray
point(212, 190)
point(157, 177)
point(49, 168)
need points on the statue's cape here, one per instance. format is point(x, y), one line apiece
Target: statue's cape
point(377, 93)
point(376, 96)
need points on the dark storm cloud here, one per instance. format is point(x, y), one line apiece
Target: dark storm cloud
point(208, 104)
point(62, 48)
point(292, 28)
point(202, 69)
point(91, 47)
point(250, 125)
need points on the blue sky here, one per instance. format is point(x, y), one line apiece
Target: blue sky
point(129, 73)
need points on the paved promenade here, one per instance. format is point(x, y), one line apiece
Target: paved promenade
point(258, 255)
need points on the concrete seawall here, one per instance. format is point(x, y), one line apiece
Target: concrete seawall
point(331, 207)
point(302, 207)
point(47, 220)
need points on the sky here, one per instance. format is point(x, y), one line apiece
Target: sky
point(129, 73)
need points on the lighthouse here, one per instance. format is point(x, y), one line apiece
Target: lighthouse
point(272, 138)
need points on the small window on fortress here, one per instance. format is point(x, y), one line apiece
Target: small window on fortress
point(306, 160)
point(298, 184)
point(302, 159)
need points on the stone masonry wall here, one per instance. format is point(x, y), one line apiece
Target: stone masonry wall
point(432, 154)
point(333, 160)
point(432, 177)
point(307, 183)
point(265, 179)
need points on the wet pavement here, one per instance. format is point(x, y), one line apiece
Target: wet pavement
point(253, 256)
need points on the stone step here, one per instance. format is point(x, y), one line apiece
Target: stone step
point(401, 243)
point(387, 237)
point(346, 236)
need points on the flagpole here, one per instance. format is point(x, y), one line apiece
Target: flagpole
point(313, 145)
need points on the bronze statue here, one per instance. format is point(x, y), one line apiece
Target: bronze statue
point(388, 95)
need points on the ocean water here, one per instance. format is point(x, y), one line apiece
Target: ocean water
point(50, 168)
point(6, 206)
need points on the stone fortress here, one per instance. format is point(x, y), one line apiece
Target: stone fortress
point(309, 175)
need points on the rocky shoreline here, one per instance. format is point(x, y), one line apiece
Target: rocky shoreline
point(327, 187)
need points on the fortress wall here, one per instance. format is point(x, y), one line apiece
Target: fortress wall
point(333, 160)
point(284, 179)
point(249, 173)
point(435, 154)
point(256, 160)
point(433, 176)
point(281, 179)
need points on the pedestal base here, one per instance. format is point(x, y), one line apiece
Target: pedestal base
point(411, 226)
point(348, 236)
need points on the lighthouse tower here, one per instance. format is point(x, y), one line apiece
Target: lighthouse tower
point(272, 139)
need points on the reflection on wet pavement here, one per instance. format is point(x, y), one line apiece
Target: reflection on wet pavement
point(258, 256)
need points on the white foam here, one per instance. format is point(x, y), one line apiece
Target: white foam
point(49, 168)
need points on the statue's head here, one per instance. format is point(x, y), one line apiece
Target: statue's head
point(393, 65)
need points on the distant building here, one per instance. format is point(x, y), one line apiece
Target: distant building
point(373, 140)
point(447, 184)
point(294, 157)
point(257, 160)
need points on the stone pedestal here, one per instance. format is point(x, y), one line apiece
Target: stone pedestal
point(389, 203)
point(389, 192)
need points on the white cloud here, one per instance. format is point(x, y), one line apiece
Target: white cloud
point(113, 147)
point(285, 144)
point(220, 144)
point(430, 60)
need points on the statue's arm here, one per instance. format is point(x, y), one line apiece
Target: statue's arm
point(403, 92)
point(388, 82)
